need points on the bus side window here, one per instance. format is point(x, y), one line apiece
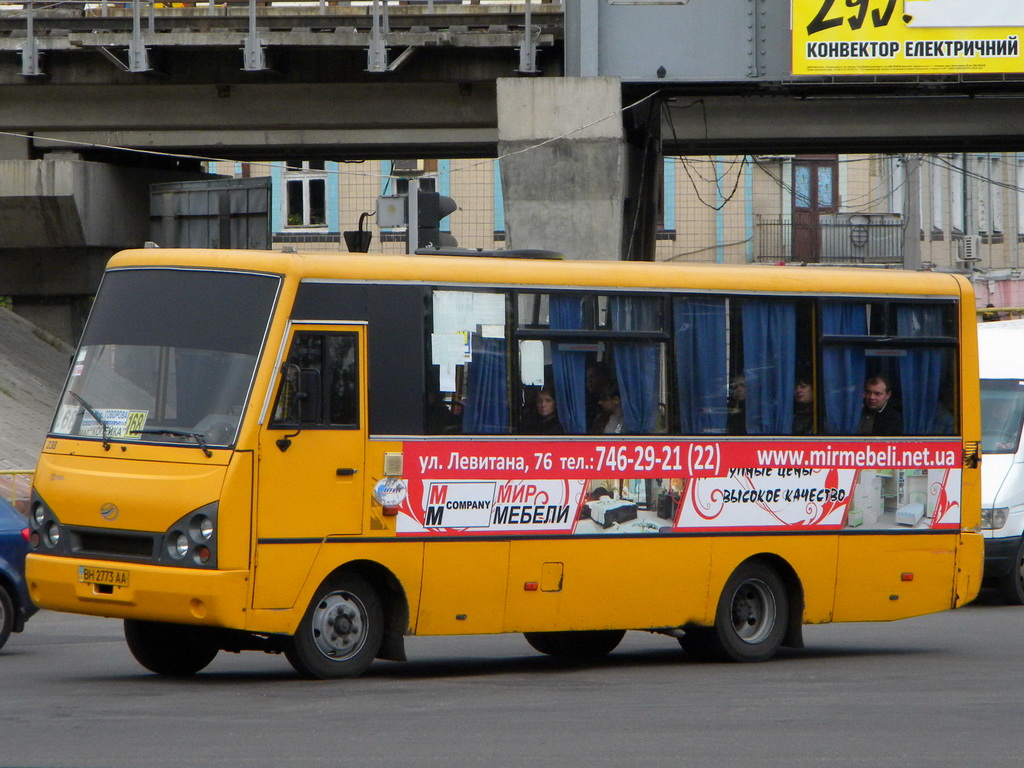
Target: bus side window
point(910, 346)
point(319, 382)
point(470, 360)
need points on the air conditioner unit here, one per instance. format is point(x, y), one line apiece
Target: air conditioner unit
point(970, 249)
point(407, 167)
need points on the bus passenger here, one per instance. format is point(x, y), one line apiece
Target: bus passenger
point(803, 406)
point(879, 416)
point(609, 420)
point(543, 417)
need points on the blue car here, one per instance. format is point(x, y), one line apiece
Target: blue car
point(15, 604)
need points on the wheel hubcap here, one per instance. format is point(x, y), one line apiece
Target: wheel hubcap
point(339, 625)
point(753, 611)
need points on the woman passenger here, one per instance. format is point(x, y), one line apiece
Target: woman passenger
point(543, 418)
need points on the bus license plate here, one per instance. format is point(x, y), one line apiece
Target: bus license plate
point(102, 576)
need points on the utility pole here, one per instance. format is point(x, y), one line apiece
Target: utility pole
point(912, 213)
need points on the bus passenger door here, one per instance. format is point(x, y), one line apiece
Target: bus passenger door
point(311, 458)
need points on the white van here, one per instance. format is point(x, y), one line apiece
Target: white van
point(1001, 360)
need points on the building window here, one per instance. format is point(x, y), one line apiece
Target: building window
point(988, 192)
point(305, 194)
point(1020, 198)
point(938, 174)
point(956, 194)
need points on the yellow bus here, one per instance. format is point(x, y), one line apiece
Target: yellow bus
point(323, 454)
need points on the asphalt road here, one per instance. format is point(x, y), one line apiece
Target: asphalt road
point(943, 690)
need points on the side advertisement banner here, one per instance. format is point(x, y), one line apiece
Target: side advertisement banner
point(899, 37)
point(590, 487)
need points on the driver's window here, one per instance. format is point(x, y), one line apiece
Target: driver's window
point(319, 384)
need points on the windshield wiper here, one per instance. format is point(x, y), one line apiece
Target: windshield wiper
point(176, 433)
point(95, 414)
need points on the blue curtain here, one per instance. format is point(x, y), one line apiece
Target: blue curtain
point(701, 364)
point(921, 371)
point(486, 410)
point(769, 365)
point(843, 368)
point(637, 368)
point(569, 367)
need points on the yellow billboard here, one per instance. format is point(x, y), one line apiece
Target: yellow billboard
point(901, 37)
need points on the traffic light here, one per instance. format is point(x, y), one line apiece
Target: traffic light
point(433, 207)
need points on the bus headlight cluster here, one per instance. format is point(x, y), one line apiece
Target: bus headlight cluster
point(192, 540)
point(994, 518)
point(45, 534)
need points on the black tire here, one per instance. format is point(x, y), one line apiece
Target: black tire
point(750, 621)
point(341, 632)
point(584, 644)
point(173, 650)
point(1011, 586)
point(6, 616)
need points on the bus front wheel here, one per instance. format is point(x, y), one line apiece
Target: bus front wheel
point(750, 621)
point(585, 644)
point(341, 632)
point(174, 650)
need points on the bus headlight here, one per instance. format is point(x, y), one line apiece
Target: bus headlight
point(52, 534)
point(179, 544)
point(203, 527)
point(38, 514)
point(994, 518)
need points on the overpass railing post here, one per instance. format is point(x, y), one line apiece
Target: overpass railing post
point(528, 48)
point(377, 53)
point(30, 50)
point(253, 53)
point(138, 57)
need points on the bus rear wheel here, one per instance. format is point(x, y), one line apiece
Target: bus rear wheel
point(750, 621)
point(174, 650)
point(1011, 587)
point(584, 644)
point(341, 632)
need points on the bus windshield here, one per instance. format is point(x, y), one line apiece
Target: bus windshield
point(1002, 408)
point(168, 356)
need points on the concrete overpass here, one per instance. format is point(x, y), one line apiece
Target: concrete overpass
point(82, 83)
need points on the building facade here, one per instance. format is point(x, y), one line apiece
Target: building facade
point(792, 209)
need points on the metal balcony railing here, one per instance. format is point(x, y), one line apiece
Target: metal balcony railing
point(832, 239)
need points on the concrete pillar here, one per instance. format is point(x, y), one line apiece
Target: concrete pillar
point(563, 165)
point(61, 218)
